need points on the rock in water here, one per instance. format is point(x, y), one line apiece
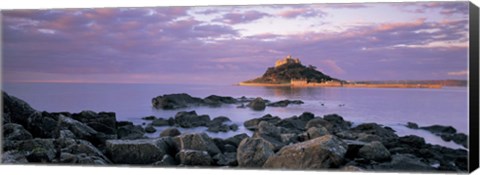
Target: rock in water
point(175, 101)
point(141, 151)
point(198, 141)
point(150, 129)
point(374, 151)
point(253, 152)
point(258, 104)
point(323, 152)
point(172, 132)
point(194, 157)
point(191, 119)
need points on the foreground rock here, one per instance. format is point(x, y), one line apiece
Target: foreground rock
point(140, 151)
point(447, 133)
point(253, 152)
point(258, 104)
point(197, 141)
point(323, 152)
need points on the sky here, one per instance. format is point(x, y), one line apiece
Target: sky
point(229, 44)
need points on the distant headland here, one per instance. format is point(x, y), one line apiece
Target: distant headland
point(290, 72)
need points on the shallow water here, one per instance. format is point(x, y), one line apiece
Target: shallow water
point(390, 107)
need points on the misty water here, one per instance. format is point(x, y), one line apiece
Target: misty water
point(390, 107)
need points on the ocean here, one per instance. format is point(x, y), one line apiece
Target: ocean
point(391, 107)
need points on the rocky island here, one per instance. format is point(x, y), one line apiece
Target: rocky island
point(302, 142)
point(290, 72)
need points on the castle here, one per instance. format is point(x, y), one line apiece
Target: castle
point(287, 60)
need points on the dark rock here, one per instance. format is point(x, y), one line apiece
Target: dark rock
point(90, 160)
point(149, 118)
point(337, 121)
point(12, 131)
point(68, 158)
point(412, 141)
point(306, 116)
point(160, 122)
point(218, 128)
point(175, 101)
point(78, 128)
point(319, 122)
point(349, 135)
point(233, 127)
point(353, 147)
point(269, 133)
point(403, 162)
point(412, 125)
point(42, 125)
point(253, 152)
point(191, 119)
point(66, 134)
point(16, 110)
point(124, 123)
point(140, 151)
point(229, 148)
point(108, 119)
point(194, 157)
point(292, 123)
point(439, 129)
point(374, 151)
point(375, 129)
point(368, 137)
point(81, 147)
point(235, 140)
point(215, 100)
point(218, 120)
point(100, 127)
point(226, 159)
point(289, 138)
point(171, 132)
point(285, 103)
point(167, 160)
point(252, 123)
point(150, 129)
point(13, 157)
point(323, 152)
point(36, 150)
point(258, 104)
point(352, 168)
point(198, 141)
point(130, 132)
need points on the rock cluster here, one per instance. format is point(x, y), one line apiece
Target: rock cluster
point(299, 142)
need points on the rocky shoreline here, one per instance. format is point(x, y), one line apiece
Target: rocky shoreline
point(298, 142)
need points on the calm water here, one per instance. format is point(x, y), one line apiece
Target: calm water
point(390, 107)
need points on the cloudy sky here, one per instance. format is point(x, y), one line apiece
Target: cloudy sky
point(228, 44)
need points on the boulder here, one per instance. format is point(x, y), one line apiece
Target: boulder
point(130, 132)
point(374, 151)
point(252, 123)
point(269, 133)
point(285, 103)
point(191, 119)
point(170, 132)
point(353, 146)
point(140, 151)
point(150, 129)
point(258, 104)
point(13, 157)
point(149, 118)
point(337, 121)
point(315, 132)
point(306, 116)
point(226, 159)
point(218, 128)
point(293, 123)
point(253, 152)
point(194, 157)
point(235, 140)
point(42, 125)
point(403, 162)
point(35, 150)
point(323, 152)
point(198, 141)
point(289, 138)
point(12, 131)
point(368, 137)
point(215, 100)
point(375, 129)
point(160, 122)
point(167, 160)
point(412, 141)
point(439, 129)
point(319, 122)
point(218, 120)
point(78, 128)
point(175, 101)
point(16, 110)
point(233, 127)
point(81, 147)
point(412, 125)
point(66, 134)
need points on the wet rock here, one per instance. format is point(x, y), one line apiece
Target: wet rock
point(439, 129)
point(323, 152)
point(412, 141)
point(253, 152)
point(285, 103)
point(160, 122)
point(175, 101)
point(198, 141)
point(150, 129)
point(374, 151)
point(130, 132)
point(293, 123)
point(319, 122)
point(12, 131)
point(191, 119)
point(258, 104)
point(337, 121)
point(233, 127)
point(218, 128)
point(375, 129)
point(403, 162)
point(171, 132)
point(215, 100)
point(194, 157)
point(167, 160)
point(226, 159)
point(140, 151)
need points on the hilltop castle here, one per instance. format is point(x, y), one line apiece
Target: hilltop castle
point(287, 60)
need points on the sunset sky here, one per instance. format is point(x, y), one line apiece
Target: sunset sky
point(228, 44)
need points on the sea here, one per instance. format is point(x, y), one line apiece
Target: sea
point(392, 107)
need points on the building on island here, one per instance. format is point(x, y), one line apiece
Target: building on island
point(287, 60)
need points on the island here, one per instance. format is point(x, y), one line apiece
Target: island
point(290, 72)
